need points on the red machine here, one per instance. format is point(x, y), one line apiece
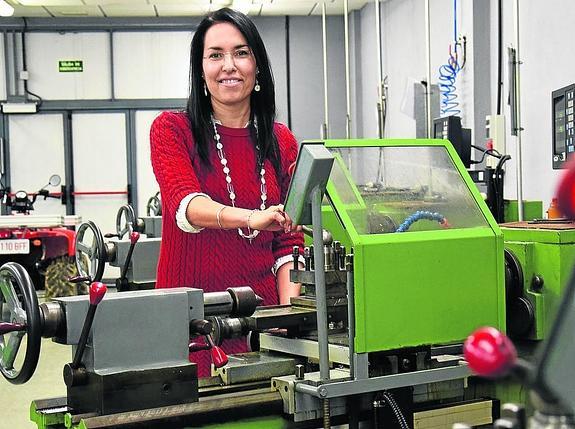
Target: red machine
point(43, 244)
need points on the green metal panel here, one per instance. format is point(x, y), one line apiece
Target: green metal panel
point(531, 210)
point(538, 235)
point(271, 422)
point(45, 421)
point(507, 390)
point(427, 288)
point(389, 143)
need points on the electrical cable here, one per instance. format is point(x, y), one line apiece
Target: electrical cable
point(497, 184)
point(379, 178)
point(499, 53)
point(448, 73)
point(491, 152)
point(390, 400)
point(26, 90)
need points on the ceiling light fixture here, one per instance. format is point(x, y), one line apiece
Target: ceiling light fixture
point(6, 9)
point(243, 6)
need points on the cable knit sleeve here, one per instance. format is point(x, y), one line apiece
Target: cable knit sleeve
point(170, 149)
point(283, 243)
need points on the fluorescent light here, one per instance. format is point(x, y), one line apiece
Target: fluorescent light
point(243, 6)
point(6, 9)
point(19, 107)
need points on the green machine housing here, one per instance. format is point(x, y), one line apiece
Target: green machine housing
point(539, 257)
point(438, 280)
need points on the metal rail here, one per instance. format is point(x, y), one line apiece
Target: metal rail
point(355, 387)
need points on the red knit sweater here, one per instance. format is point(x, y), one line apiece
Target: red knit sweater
point(214, 259)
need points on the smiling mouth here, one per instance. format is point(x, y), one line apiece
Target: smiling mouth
point(229, 81)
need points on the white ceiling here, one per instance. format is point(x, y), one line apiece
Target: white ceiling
point(170, 8)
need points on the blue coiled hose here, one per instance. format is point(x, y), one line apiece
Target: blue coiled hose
point(448, 74)
point(418, 215)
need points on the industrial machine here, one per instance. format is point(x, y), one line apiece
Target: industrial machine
point(548, 376)
point(136, 255)
point(413, 263)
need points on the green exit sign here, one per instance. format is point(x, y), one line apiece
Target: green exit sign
point(70, 66)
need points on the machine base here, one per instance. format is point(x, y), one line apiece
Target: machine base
point(135, 390)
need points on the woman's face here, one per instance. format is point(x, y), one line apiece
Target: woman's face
point(229, 65)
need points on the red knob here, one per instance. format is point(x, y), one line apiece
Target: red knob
point(134, 237)
point(489, 353)
point(566, 190)
point(219, 358)
point(97, 292)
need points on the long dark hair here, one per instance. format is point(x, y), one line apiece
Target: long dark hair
point(262, 103)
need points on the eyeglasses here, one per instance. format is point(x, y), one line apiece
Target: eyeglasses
point(239, 54)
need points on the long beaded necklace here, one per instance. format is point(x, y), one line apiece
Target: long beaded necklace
point(230, 187)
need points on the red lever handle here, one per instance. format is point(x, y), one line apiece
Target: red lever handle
point(219, 358)
point(196, 346)
point(134, 237)
point(6, 327)
point(489, 353)
point(79, 279)
point(97, 292)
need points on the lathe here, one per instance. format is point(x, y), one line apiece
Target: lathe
point(127, 249)
point(375, 337)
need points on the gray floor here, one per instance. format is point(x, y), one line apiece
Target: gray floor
point(47, 382)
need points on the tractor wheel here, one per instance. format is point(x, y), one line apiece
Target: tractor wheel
point(56, 280)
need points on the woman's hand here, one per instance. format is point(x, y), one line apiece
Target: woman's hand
point(271, 219)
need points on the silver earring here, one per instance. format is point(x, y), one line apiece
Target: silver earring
point(205, 89)
point(257, 87)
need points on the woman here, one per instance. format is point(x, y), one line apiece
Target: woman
point(222, 167)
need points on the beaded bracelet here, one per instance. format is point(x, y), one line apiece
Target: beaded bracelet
point(251, 234)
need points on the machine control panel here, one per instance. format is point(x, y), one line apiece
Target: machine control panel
point(563, 125)
point(449, 128)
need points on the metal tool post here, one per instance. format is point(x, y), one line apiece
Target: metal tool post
point(325, 127)
point(428, 71)
point(518, 130)
point(347, 78)
point(321, 301)
point(380, 93)
point(350, 312)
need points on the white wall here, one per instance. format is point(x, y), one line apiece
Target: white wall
point(547, 65)
point(404, 59)
point(273, 33)
point(3, 90)
point(306, 72)
point(44, 50)
point(151, 64)
point(37, 152)
point(147, 185)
